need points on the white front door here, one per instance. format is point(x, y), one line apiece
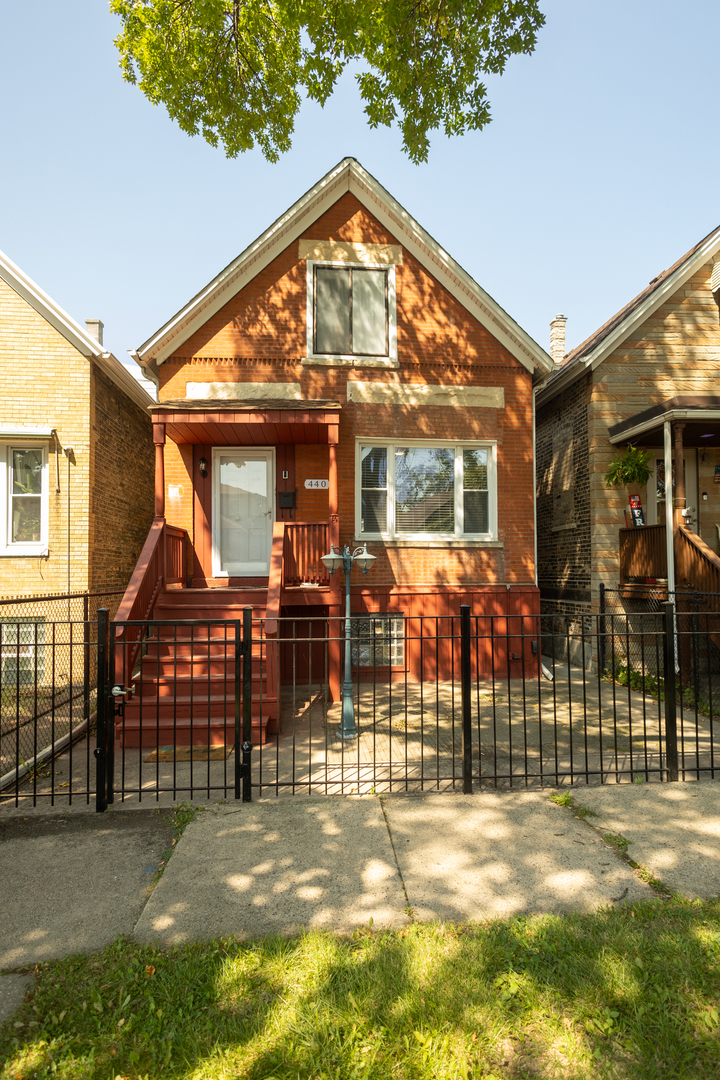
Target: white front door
point(656, 486)
point(243, 501)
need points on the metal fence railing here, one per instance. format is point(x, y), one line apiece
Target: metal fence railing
point(48, 678)
point(221, 709)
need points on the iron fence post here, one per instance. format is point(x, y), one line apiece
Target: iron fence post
point(100, 740)
point(466, 691)
point(247, 703)
point(86, 658)
point(239, 645)
point(601, 651)
point(110, 715)
point(671, 747)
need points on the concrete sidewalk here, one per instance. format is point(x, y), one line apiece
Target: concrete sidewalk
point(73, 882)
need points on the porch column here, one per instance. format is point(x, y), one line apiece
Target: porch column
point(335, 605)
point(679, 496)
point(678, 503)
point(159, 440)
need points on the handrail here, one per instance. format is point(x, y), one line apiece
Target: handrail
point(699, 565)
point(272, 607)
point(162, 562)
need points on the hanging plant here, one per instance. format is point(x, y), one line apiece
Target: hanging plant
point(632, 467)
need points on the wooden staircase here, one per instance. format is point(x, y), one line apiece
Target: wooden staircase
point(185, 680)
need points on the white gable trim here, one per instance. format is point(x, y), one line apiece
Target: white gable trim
point(75, 334)
point(347, 176)
point(633, 320)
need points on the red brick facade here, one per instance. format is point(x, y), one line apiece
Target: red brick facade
point(260, 336)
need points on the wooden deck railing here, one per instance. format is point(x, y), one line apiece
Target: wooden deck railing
point(698, 565)
point(643, 553)
point(305, 545)
point(162, 562)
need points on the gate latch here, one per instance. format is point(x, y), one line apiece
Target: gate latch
point(120, 691)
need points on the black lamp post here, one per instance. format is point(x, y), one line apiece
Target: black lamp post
point(343, 560)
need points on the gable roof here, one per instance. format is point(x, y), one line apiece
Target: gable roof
point(617, 329)
point(75, 334)
point(347, 176)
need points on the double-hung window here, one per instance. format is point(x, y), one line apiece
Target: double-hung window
point(24, 484)
point(412, 490)
point(352, 314)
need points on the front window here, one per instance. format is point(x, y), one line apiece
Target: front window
point(26, 499)
point(420, 490)
point(351, 311)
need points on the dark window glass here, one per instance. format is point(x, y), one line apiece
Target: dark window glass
point(351, 311)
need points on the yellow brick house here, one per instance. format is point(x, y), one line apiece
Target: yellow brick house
point(76, 454)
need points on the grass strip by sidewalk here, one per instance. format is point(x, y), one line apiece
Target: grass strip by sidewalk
point(629, 992)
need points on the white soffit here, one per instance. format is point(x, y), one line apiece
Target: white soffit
point(350, 176)
point(652, 302)
point(75, 334)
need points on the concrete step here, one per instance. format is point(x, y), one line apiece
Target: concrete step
point(220, 732)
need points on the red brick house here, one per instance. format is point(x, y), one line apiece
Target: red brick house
point(343, 381)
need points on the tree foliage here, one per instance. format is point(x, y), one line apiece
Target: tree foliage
point(235, 70)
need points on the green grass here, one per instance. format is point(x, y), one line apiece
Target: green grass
point(626, 992)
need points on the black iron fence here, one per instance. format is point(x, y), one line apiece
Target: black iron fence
point(228, 709)
point(48, 683)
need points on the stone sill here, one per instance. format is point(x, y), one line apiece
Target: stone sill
point(430, 543)
point(564, 528)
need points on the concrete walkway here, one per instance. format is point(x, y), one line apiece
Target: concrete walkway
point(74, 882)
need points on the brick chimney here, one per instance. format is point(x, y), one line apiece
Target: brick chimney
point(557, 338)
point(95, 329)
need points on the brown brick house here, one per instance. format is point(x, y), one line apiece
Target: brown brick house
point(648, 377)
point(368, 391)
point(76, 496)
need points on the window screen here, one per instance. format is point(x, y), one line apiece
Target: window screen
point(475, 491)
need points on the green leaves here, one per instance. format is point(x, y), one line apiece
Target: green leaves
point(632, 467)
point(233, 70)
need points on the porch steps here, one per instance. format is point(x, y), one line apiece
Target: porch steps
point(185, 689)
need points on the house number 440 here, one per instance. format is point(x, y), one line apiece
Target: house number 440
point(322, 484)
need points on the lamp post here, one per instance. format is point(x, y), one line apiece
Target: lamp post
point(343, 560)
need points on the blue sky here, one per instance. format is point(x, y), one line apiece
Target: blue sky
point(599, 169)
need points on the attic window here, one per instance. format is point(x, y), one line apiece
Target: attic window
point(351, 314)
point(351, 311)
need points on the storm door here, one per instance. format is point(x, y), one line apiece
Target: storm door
point(243, 499)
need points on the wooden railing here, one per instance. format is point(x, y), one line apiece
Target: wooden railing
point(698, 566)
point(305, 545)
point(643, 552)
point(162, 562)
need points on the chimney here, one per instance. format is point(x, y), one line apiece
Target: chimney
point(95, 329)
point(557, 338)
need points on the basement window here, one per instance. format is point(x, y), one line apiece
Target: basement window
point(22, 644)
point(378, 640)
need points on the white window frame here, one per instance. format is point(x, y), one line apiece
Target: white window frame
point(8, 548)
point(353, 359)
point(458, 447)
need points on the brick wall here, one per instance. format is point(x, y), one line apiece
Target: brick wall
point(563, 499)
point(260, 336)
point(44, 382)
point(121, 482)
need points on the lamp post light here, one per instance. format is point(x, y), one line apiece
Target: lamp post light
point(343, 560)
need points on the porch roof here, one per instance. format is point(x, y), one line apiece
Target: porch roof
point(699, 413)
point(248, 423)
